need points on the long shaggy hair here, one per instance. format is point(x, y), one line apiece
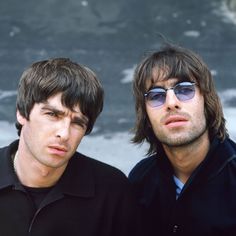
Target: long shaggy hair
point(181, 63)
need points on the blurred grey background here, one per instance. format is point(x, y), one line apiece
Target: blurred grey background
point(111, 37)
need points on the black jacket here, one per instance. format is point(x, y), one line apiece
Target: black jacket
point(90, 199)
point(207, 203)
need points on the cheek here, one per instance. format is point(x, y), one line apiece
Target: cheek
point(153, 117)
point(199, 111)
point(77, 135)
point(150, 112)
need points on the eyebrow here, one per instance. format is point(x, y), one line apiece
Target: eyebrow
point(163, 87)
point(53, 109)
point(179, 80)
point(80, 120)
point(83, 121)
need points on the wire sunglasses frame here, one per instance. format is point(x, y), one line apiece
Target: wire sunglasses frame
point(184, 91)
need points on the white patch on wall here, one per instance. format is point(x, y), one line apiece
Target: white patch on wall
point(43, 53)
point(203, 23)
point(192, 33)
point(227, 15)
point(189, 22)
point(14, 31)
point(117, 151)
point(230, 114)
point(122, 121)
point(214, 72)
point(7, 93)
point(227, 95)
point(84, 3)
point(175, 15)
point(128, 75)
point(8, 133)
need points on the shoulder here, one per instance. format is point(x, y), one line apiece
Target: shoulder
point(231, 144)
point(142, 168)
point(8, 150)
point(100, 170)
point(4, 150)
point(230, 147)
point(227, 153)
point(226, 149)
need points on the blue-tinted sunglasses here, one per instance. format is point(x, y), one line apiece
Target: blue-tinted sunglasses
point(184, 91)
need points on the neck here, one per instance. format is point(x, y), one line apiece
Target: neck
point(34, 174)
point(185, 159)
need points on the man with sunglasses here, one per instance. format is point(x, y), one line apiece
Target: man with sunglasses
point(187, 185)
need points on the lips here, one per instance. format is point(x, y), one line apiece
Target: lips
point(57, 149)
point(175, 120)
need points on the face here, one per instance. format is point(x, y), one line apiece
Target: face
point(52, 133)
point(177, 123)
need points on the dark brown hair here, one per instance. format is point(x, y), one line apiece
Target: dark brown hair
point(78, 85)
point(184, 64)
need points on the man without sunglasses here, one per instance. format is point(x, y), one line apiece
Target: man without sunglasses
point(47, 188)
point(187, 185)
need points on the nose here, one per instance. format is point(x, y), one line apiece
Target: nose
point(63, 131)
point(172, 102)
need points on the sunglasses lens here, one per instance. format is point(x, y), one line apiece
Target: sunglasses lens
point(184, 91)
point(156, 97)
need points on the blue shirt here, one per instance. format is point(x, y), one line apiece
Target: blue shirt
point(179, 186)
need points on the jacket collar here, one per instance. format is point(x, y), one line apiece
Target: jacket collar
point(219, 155)
point(77, 180)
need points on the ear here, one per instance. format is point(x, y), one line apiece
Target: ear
point(21, 119)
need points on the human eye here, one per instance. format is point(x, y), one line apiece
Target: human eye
point(50, 113)
point(80, 123)
point(184, 88)
point(156, 94)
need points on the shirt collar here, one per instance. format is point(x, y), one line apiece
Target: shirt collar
point(77, 180)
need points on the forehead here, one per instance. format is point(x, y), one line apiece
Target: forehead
point(165, 77)
point(55, 102)
point(160, 78)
